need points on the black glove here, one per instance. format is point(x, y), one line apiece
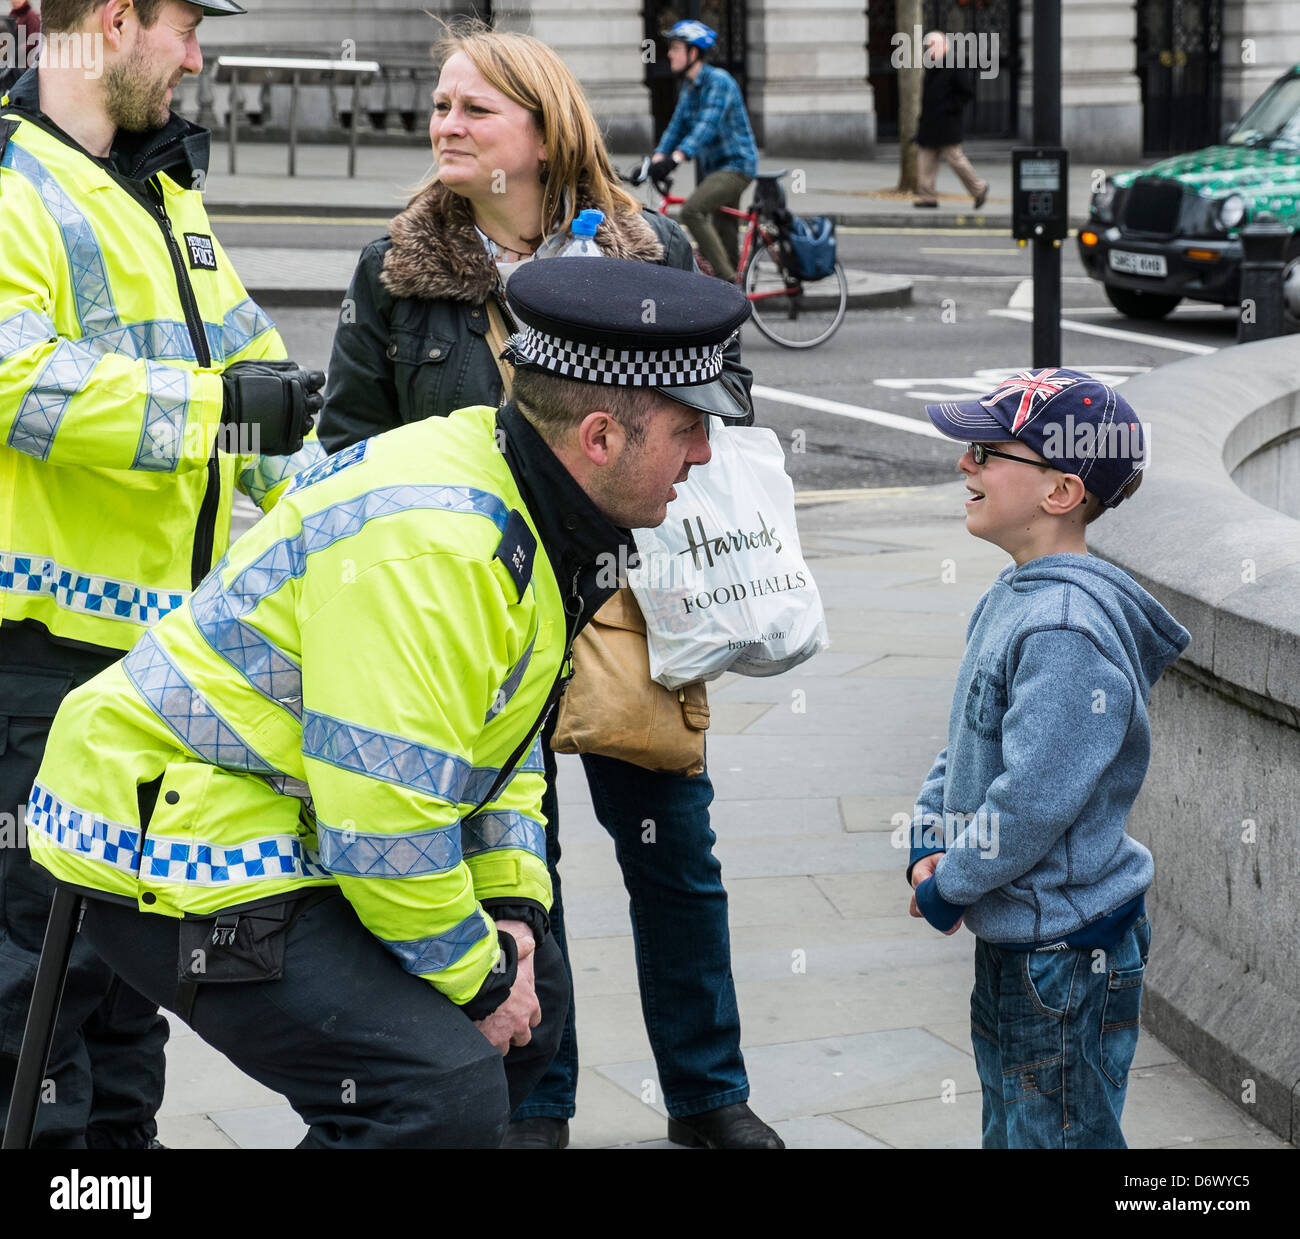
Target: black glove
point(276, 399)
point(662, 167)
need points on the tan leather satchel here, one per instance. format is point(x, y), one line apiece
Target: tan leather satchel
point(613, 707)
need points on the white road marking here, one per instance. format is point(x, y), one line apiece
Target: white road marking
point(1113, 333)
point(978, 385)
point(803, 497)
point(879, 417)
point(950, 249)
point(1023, 297)
point(1094, 310)
point(979, 279)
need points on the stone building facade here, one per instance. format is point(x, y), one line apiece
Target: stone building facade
point(1138, 76)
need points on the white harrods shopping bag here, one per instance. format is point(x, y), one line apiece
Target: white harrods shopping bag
point(722, 582)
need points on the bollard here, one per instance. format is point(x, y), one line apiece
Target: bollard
point(1263, 247)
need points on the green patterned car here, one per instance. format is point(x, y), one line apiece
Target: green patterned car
point(1172, 230)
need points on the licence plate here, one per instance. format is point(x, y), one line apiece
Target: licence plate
point(1138, 264)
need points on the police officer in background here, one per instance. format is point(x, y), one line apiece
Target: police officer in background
point(327, 763)
point(139, 385)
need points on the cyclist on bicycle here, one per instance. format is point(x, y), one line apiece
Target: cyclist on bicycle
point(711, 126)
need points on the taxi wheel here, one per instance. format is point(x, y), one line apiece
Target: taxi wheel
point(1140, 305)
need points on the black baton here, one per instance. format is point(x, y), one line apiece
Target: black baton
point(47, 993)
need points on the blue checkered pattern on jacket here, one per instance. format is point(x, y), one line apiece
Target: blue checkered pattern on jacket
point(79, 591)
point(711, 126)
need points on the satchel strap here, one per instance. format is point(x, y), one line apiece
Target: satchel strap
point(497, 335)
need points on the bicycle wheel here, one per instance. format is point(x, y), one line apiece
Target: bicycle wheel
point(790, 312)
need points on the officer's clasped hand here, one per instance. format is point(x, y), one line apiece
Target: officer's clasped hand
point(277, 400)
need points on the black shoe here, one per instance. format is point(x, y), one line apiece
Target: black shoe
point(981, 197)
point(731, 1127)
point(539, 1133)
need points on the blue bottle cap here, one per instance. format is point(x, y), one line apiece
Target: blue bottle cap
point(586, 222)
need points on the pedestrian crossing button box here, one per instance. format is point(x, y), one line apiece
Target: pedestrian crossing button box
point(1039, 183)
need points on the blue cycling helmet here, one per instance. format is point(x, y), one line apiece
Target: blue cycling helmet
point(697, 34)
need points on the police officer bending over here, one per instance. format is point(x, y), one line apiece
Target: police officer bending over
point(139, 386)
point(314, 791)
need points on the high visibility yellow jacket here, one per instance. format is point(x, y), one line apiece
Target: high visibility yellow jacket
point(118, 311)
point(334, 706)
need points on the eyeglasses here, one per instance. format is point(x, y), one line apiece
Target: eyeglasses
point(980, 453)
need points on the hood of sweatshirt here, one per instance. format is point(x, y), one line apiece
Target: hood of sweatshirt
point(1150, 637)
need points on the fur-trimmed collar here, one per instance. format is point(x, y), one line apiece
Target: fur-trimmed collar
point(436, 253)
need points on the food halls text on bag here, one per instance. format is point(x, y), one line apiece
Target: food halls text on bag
point(723, 582)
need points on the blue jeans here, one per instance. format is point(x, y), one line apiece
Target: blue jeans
point(679, 926)
point(1054, 1033)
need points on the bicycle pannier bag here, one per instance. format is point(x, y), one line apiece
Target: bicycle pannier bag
point(811, 241)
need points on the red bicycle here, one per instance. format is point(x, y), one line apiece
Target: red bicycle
point(787, 309)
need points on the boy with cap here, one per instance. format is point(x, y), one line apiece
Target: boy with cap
point(1019, 826)
point(318, 782)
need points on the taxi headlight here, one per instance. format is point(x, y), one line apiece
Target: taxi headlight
point(1231, 211)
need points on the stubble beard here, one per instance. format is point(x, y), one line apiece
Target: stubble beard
point(134, 100)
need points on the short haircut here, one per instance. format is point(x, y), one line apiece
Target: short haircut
point(1095, 507)
point(65, 16)
point(555, 406)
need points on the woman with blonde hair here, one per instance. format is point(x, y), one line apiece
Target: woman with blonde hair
point(518, 155)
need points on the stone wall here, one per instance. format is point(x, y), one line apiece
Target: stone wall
point(1218, 809)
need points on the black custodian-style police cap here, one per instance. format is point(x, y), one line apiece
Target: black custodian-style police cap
point(219, 8)
point(628, 324)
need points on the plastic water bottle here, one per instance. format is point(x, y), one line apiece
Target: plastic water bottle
point(582, 236)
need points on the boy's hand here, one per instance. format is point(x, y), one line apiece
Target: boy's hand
point(923, 869)
point(920, 871)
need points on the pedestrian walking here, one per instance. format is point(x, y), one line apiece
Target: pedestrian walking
point(519, 154)
point(28, 23)
point(139, 386)
point(945, 92)
point(1019, 826)
point(711, 126)
point(327, 761)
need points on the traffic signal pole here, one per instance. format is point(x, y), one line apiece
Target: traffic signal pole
point(1047, 132)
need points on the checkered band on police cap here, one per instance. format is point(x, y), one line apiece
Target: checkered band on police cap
point(590, 363)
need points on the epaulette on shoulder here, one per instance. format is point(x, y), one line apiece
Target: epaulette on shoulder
point(516, 550)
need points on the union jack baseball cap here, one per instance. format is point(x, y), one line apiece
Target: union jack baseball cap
point(1076, 423)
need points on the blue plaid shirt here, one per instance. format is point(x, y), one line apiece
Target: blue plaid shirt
point(710, 125)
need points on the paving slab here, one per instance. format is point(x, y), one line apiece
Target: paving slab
point(875, 812)
point(947, 1121)
point(262, 1127)
point(1171, 1105)
point(833, 1074)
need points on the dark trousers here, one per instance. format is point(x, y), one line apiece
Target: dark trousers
point(679, 924)
point(104, 1080)
point(367, 1054)
point(714, 230)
